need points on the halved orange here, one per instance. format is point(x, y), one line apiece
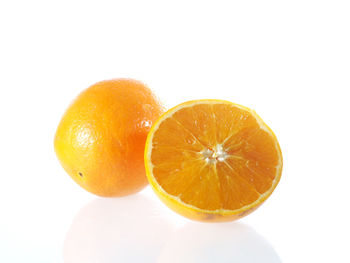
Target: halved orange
point(212, 160)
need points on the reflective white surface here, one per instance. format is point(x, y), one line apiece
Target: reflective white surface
point(228, 242)
point(135, 229)
point(129, 229)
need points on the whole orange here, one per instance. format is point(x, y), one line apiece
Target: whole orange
point(101, 138)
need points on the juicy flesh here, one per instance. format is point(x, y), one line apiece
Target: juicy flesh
point(214, 156)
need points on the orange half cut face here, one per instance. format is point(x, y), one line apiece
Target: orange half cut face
point(212, 160)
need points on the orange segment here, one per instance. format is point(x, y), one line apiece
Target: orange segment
point(212, 160)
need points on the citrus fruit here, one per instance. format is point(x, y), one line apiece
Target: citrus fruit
point(101, 138)
point(212, 160)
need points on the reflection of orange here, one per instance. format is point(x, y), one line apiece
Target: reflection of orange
point(212, 160)
point(101, 137)
point(129, 229)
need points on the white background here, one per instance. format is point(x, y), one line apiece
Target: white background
point(288, 60)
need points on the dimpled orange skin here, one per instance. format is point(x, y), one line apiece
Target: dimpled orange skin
point(101, 138)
